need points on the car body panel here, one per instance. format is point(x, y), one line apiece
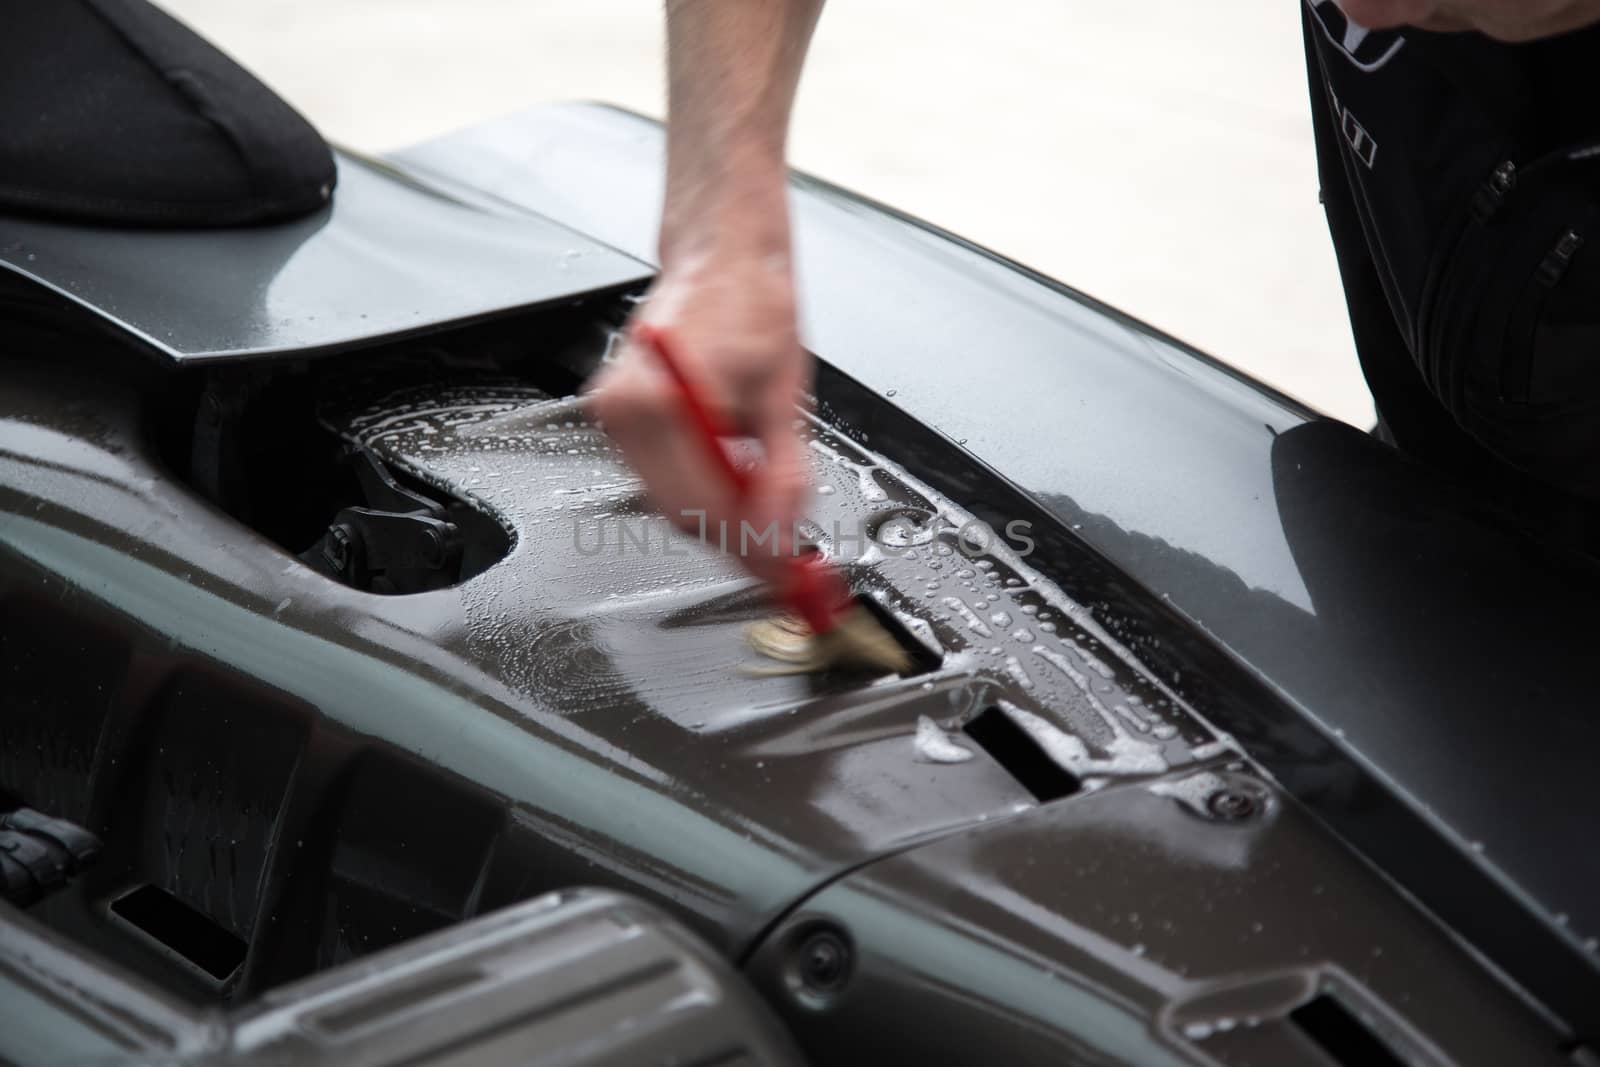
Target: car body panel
point(600, 690)
point(388, 258)
point(326, 773)
point(1237, 590)
point(1436, 657)
point(580, 977)
point(1128, 929)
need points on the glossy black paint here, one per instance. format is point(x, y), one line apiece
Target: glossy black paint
point(388, 258)
point(1424, 665)
point(1128, 928)
point(58, 1004)
point(580, 978)
point(324, 772)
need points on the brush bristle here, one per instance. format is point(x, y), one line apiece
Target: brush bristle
point(856, 642)
point(859, 640)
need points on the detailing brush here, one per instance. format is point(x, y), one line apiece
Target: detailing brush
point(841, 631)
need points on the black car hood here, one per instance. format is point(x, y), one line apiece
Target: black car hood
point(582, 710)
point(1424, 658)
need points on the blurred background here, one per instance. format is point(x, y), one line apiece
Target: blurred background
point(1156, 155)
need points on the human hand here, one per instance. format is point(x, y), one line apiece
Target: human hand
point(731, 316)
point(1506, 20)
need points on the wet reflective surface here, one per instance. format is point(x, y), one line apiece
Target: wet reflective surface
point(582, 977)
point(603, 610)
point(320, 773)
point(323, 773)
point(1125, 929)
point(1424, 666)
point(346, 275)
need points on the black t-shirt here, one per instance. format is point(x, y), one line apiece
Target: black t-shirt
point(1460, 218)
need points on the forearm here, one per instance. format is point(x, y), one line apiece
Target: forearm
point(733, 67)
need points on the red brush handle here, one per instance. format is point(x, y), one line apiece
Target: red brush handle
point(810, 587)
point(816, 591)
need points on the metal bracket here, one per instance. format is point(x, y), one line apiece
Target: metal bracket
point(403, 543)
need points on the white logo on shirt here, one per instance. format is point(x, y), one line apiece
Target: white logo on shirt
point(1355, 134)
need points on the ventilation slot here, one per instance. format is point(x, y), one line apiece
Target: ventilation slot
point(1345, 1038)
point(1010, 746)
point(181, 931)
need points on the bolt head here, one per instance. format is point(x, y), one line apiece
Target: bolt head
point(822, 963)
point(1233, 805)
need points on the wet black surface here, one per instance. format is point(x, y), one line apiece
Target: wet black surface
point(342, 277)
point(1123, 926)
point(1422, 664)
point(320, 772)
point(603, 612)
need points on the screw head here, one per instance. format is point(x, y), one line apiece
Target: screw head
point(1233, 805)
point(823, 962)
point(818, 965)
